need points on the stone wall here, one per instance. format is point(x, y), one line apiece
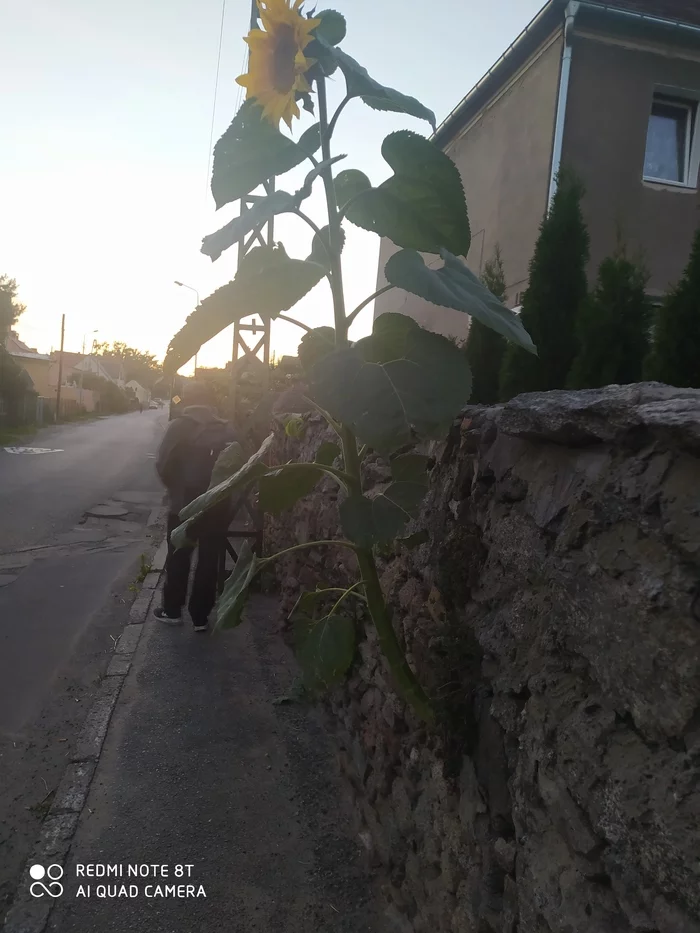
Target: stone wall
point(554, 614)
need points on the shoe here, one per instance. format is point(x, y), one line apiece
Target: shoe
point(163, 616)
point(201, 628)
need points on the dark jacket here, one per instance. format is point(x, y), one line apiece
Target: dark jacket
point(181, 430)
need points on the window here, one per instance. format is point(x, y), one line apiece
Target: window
point(670, 140)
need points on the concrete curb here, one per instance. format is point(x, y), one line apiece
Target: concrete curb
point(31, 915)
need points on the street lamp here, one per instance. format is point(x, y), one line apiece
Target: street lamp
point(182, 285)
point(82, 371)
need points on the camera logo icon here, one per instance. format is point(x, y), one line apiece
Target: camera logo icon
point(53, 886)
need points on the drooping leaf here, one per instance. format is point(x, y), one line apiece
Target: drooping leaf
point(229, 610)
point(422, 206)
point(251, 151)
point(369, 522)
point(252, 470)
point(314, 345)
point(282, 488)
point(310, 140)
point(267, 283)
point(229, 461)
point(375, 95)
point(321, 247)
point(418, 385)
point(332, 27)
point(259, 213)
point(456, 286)
point(324, 649)
point(349, 184)
point(410, 468)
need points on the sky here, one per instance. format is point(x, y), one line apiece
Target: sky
point(105, 152)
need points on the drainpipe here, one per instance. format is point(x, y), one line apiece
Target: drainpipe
point(570, 17)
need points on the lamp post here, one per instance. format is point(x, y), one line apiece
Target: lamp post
point(182, 285)
point(82, 371)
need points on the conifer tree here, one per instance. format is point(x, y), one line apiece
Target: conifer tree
point(613, 326)
point(675, 355)
point(485, 348)
point(556, 289)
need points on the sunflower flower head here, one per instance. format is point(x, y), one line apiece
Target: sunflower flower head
point(278, 66)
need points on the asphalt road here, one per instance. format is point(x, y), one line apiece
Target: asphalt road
point(43, 494)
point(65, 581)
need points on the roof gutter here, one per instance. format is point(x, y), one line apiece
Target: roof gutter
point(564, 81)
point(639, 17)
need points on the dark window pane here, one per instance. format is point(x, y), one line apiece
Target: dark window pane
point(666, 142)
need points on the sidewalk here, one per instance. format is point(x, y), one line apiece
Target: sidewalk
point(200, 768)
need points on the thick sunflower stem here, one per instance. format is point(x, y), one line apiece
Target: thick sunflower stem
point(334, 224)
point(404, 677)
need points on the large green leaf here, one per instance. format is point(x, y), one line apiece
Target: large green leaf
point(422, 206)
point(350, 184)
point(229, 461)
point(375, 95)
point(456, 286)
point(252, 151)
point(268, 282)
point(416, 385)
point(368, 522)
point(229, 609)
point(324, 649)
point(251, 471)
point(410, 468)
point(282, 488)
point(314, 345)
point(258, 214)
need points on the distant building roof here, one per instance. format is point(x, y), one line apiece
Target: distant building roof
point(17, 348)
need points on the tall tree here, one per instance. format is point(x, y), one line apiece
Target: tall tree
point(143, 367)
point(675, 355)
point(10, 307)
point(613, 326)
point(485, 348)
point(551, 303)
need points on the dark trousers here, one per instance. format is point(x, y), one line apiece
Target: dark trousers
point(210, 534)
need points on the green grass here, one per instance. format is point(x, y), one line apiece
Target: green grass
point(13, 437)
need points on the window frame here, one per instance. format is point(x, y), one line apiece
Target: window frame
point(689, 101)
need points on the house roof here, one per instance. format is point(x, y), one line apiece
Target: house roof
point(666, 15)
point(70, 360)
point(17, 348)
point(115, 368)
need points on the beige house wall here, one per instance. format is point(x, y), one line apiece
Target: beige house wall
point(504, 157)
point(613, 80)
point(38, 371)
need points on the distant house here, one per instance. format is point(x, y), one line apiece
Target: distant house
point(36, 365)
point(611, 89)
point(114, 368)
point(142, 394)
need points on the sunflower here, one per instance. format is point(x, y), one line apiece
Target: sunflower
point(277, 67)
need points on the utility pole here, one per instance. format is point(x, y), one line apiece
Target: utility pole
point(60, 369)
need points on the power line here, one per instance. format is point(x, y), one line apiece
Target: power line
point(216, 91)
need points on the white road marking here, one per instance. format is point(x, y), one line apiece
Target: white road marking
point(33, 450)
